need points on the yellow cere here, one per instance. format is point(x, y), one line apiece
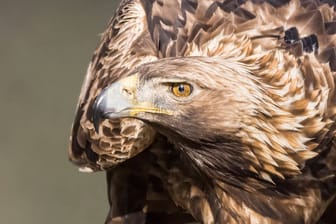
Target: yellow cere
point(181, 89)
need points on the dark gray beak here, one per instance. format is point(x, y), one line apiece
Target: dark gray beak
point(114, 101)
point(99, 110)
point(121, 100)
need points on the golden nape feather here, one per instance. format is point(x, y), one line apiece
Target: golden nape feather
point(250, 138)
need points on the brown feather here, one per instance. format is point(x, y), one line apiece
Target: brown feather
point(290, 140)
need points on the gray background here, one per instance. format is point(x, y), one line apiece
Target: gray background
point(45, 47)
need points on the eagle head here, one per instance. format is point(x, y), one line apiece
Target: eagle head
point(184, 96)
point(219, 112)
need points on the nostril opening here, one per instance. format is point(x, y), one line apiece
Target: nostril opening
point(127, 91)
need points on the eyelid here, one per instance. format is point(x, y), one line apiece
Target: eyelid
point(175, 83)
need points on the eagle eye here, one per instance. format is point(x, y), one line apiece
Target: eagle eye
point(181, 89)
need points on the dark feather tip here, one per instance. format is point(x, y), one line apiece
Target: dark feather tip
point(291, 35)
point(310, 43)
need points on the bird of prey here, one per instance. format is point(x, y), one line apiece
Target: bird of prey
point(213, 111)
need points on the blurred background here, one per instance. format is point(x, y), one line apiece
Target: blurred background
point(45, 47)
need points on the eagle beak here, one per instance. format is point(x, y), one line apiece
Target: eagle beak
point(115, 101)
point(120, 100)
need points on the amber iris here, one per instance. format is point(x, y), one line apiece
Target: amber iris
point(181, 89)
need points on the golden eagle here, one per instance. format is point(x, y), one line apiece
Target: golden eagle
point(216, 111)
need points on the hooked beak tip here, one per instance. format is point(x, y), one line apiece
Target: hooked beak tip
point(98, 110)
point(113, 101)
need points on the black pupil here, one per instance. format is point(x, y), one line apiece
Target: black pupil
point(181, 88)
